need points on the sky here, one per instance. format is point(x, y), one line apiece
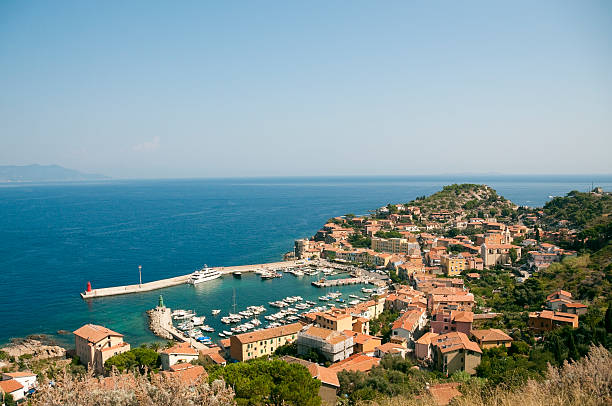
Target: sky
point(159, 89)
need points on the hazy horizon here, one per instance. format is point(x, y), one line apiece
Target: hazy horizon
point(154, 90)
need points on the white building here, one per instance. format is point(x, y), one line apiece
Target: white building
point(27, 379)
point(13, 388)
point(179, 354)
point(333, 345)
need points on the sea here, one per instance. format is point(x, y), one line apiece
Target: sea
point(55, 237)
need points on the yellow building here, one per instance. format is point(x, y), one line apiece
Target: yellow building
point(335, 320)
point(95, 344)
point(453, 265)
point(263, 342)
point(393, 245)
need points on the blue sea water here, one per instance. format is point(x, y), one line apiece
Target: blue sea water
point(56, 237)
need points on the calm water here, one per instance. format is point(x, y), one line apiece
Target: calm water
point(56, 237)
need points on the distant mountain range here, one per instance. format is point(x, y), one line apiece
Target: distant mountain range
point(43, 173)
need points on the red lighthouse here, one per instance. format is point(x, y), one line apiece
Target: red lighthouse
point(88, 287)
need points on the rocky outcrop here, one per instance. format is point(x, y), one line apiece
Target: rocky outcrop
point(34, 347)
point(160, 320)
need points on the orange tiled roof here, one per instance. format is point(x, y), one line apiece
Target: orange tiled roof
point(187, 373)
point(19, 374)
point(356, 362)
point(10, 386)
point(492, 334)
point(390, 348)
point(427, 338)
point(455, 341)
point(268, 333)
point(181, 348)
point(94, 333)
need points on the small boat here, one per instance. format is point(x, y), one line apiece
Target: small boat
point(198, 321)
point(216, 312)
point(237, 274)
point(221, 335)
point(354, 296)
point(324, 298)
point(207, 329)
point(227, 333)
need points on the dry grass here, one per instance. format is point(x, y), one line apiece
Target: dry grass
point(587, 382)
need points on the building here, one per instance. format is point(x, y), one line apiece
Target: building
point(187, 373)
point(394, 245)
point(179, 354)
point(453, 265)
point(446, 322)
point(13, 388)
point(454, 352)
point(333, 345)
point(329, 379)
point(390, 349)
point(263, 342)
point(356, 362)
point(27, 379)
point(498, 254)
point(335, 319)
point(95, 344)
point(423, 349)
point(574, 308)
point(547, 320)
point(364, 343)
point(447, 299)
point(491, 338)
point(409, 325)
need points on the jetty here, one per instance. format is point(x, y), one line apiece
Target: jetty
point(178, 280)
point(160, 323)
point(338, 282)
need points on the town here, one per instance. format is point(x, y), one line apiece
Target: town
point(463, 280)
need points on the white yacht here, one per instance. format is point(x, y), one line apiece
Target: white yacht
point(203, 275)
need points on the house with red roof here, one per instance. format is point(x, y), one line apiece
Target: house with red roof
point(95, 344)
point(454, 352)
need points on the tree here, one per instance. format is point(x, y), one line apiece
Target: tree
point(141, 358)
point(270, 382)
point(537, 236)
point(608, 318)
point(8, 400)
point(513, 255)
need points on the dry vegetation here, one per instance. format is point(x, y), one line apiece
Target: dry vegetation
point(587, 382)
point(131, 390)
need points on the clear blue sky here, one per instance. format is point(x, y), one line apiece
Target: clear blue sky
point(198, 89)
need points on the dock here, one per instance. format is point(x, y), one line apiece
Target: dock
point(160, 323)
point(339, 282)
point(178, 280)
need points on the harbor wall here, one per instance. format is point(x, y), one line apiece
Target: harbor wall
point(178, 280)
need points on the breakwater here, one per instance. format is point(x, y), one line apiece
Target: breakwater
point(178, 280)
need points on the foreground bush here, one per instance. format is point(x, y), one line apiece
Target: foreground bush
point(131, 390)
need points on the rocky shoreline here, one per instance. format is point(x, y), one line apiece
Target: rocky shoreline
point(39, 347)
point(158, 318)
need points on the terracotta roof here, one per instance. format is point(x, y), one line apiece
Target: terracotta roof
point(187, 373)
point(19, 374)
point(268, 333)
point(409, 320)
point(462, 316)
point(390, 348)
point(455, 341)
point(10, 386)
point(214, 354)
point(492, 334)
point(575, 305)
point(94, 333)
point(225, 343)
point(360, 338)
point(181, 348)
point(558, 293)
point(443, 393)
point(323, 374)
point(330, 336)
point(356, 362)
point(427, 338)
point(557, 316)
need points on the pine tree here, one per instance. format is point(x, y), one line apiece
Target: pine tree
point(608, 318)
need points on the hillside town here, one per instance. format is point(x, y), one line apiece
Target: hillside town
point(428, 255)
